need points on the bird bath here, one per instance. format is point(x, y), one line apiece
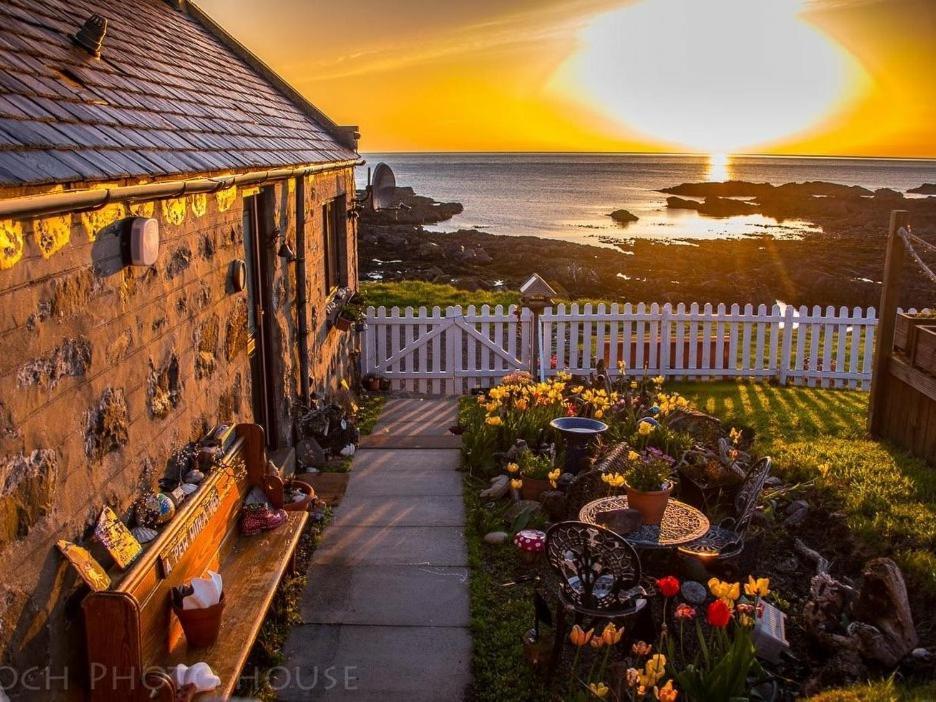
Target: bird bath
point(578, 432)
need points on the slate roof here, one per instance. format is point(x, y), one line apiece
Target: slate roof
point(167, 97)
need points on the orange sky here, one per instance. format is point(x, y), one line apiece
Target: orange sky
point(840, 77)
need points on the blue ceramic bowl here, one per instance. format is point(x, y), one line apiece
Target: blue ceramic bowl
point(578, 425)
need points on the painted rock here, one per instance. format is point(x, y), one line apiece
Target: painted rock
point(694, 592)
point(154, 509)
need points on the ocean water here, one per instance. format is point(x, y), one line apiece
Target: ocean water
point(569, 196)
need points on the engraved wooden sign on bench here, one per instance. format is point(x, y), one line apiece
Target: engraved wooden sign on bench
point(130, 631)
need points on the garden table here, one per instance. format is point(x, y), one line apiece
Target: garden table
point(681, 523)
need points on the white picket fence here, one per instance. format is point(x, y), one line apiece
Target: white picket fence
point(448, 354)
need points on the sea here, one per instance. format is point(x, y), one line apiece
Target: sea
point(569, 196)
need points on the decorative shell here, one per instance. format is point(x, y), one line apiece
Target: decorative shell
point(194, 476)
point(144, 534)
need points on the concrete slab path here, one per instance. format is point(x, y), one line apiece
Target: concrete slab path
point(385, 612)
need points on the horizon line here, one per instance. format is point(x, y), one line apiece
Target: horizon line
point(650, 153)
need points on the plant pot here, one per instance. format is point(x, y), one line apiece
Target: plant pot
point(343, 323)
point(372, 384)
point(385, 384)
point(302, 505)
point(651, 505)
point(906, 331)
point(201, 626)
point(532, 488)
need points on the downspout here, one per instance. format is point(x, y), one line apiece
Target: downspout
point(301, 299)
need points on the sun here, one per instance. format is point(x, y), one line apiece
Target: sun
point(720, 76)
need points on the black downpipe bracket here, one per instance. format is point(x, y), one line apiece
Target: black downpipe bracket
point(301, 299)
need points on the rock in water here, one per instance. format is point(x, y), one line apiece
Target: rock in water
point(496, 537)
point(499, 487)
point(623, 216)
point(882, 604)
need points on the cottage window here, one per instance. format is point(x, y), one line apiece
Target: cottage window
point(336, 244)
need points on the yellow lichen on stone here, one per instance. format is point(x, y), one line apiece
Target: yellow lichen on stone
point(199, 204)
point(52, 233)
point(96, 220)
point(142, 209)
point(226, 198)
point(11, 243)
point(174, 210)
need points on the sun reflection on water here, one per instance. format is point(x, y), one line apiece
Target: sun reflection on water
point(719, 168)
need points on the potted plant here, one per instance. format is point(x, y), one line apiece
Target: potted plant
point(372, 382)
point(344, 320)
point(534, 470)
point(905, 329)
point(648, 483)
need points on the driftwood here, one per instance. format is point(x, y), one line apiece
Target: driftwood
point(885, 629)
point(881, 628)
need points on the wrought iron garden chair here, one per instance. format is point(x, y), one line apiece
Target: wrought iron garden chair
point(598, 574)
point(725, 541)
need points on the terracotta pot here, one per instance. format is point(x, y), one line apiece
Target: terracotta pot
point(651, 505)
point(201, 626)
point(372, 384)
point(302, 505)
point(343, 323)
point(533, 487)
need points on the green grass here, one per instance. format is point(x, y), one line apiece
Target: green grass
point(817, 435)
point(369, 412)
point(499, 615)
point(880, 691)
point(417, 293)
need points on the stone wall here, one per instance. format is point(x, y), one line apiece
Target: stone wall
point(106, 370)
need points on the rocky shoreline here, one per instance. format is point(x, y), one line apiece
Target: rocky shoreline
point(841, 265)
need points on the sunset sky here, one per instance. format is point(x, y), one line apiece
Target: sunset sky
point(838, 77)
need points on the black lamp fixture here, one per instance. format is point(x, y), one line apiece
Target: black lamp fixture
point(285, 250)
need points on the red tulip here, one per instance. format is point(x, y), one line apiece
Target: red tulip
point(718, 614)
point(669, 586)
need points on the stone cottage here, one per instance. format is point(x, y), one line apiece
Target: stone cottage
point(119, 119)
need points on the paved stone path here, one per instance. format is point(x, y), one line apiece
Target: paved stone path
point(387, 599)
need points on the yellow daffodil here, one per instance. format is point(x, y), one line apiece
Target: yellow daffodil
point(615, 480)
point(633, 456)
point(645, 428)
point(667, 693)
point(633, 385)
point(599, 690)
point(612, 635)
point(757, 588)
point(512, 468)
point(734, 435)
point(659, 380)
point(599, 414)
point(728, 592)
point(579, 637)
point(494, 421)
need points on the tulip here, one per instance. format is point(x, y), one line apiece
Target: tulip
point(668, 586)
point(718, 614)
point(512, 467)
point(641, 648)
point(667, 693)
point(656, 666)
point(645, 428)
point(611, 635)
point(494, 421)
point(596, 642)
point(757, 588)
point(684, 611)
point(728, 592)
point(516, 483)
point(599, 690)
point(632, 677)
point(658, 380)
point(580, 637)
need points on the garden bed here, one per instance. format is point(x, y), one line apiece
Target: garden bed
point(846, 497)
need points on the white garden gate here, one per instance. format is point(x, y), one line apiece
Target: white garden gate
point(449, 354)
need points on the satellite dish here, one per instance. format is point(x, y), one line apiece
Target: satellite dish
point(383, 187)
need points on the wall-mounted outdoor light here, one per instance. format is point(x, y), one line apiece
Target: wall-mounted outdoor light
point(144, 241)
point(238, 275)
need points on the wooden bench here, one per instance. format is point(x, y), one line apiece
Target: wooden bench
point(133, 638)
